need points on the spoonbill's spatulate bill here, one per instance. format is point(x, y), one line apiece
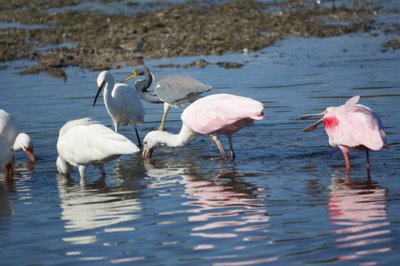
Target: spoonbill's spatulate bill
point(172, 90)
point(352, 126)
point(122, 102)
point(212, 115)
point(17, 141)
point(85, 142)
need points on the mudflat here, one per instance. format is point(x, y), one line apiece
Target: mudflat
point(60, 36)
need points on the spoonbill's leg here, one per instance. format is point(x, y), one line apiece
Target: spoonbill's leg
point(368, 164)
point(82, 169)
point(138, 138)
point(220, 147)
point(233, 155)
point(166, 109)
point(345, 151)
point(102, 170)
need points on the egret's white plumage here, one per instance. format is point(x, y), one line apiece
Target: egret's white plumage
point(121, 101)
point(172, 90)
point(16, 141)
point(85, 142)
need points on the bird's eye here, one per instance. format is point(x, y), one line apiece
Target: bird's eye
point(145, 142)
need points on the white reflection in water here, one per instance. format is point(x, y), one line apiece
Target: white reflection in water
point(358, 207)
point(85, 208)
point(217, 202)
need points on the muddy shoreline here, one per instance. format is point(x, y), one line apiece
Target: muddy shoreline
point(95, 40)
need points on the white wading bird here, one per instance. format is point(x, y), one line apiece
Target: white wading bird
point(85, 142)
point(16, 141)
point(122, 102)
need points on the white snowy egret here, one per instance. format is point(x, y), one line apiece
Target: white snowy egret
point(172, 90)
point(84, 142)
point(17, 141)
point(122, 102)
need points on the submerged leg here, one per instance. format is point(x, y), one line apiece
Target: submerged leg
point(220, 147)
point(166, 109)
point(368, 164)
point(102, 170)
point(233, 155)
point(138, 138)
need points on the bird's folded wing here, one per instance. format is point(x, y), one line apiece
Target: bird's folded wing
point(216, 111)
point(173, 88)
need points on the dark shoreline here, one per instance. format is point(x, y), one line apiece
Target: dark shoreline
point(97, 41)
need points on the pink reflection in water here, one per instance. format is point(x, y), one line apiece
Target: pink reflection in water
point(224, 206)
point(358, 208)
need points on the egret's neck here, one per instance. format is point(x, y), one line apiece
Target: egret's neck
point(175, 140)
point(107, 94)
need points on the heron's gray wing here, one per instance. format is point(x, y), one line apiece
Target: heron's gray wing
point(175, 88)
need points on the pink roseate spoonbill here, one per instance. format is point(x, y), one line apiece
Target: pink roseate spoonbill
point(172, 90)
point(352, 126)
point(122, 102)
point(212, 115)
point(17, 141)
point(6, 157)
point(84, 142)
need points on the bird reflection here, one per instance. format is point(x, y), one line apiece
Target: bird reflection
point(5, 206)
point(95, 206)
point(19, 185)
point(358, 207)
point(217, 201)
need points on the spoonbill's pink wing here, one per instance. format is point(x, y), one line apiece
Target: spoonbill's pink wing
point(216, 111)
point(357, 125)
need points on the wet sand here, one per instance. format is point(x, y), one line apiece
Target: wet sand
point(95, 40)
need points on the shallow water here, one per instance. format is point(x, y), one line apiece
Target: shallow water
point(285, 199)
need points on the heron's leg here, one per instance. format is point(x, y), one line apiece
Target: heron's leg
point(220, 147)
point(82, 169)
point(233, 155)
point(346, 157)
point(166, 109)
point(138, 137)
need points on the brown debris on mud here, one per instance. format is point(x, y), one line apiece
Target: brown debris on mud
point(95, 40)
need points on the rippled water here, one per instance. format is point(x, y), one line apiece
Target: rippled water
point(286, 198)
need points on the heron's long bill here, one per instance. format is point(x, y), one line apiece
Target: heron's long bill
point(313, 126)
point(131, 76)
point(97, 94)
